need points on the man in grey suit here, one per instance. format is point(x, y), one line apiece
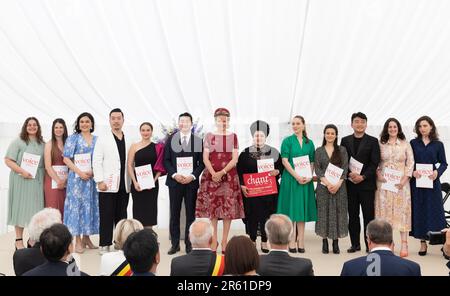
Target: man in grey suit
point(278, 261)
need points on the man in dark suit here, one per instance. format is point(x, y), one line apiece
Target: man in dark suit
point(381, 261)
point(182, 146)
point(361, 186)
point(278, 261)
point(201, 261)
point(141, 249)
point(56, 245)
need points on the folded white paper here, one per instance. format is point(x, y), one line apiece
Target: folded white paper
point(83, 162)
point(61, 171)
point(333, 173)
point(425, 170)
point(265, 165)
point(185, 166)
point(144, 176)
point(393, 177)
point(302, 166)
point(30, 163)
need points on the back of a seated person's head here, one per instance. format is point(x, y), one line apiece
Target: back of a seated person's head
point(200, 233)
point(124, 228)
point(279, 229)
point(141, 249)
point(241, 256)
point(41, 221)
point(379, 231)
point(55, 242)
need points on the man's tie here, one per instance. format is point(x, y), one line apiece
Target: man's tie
point(184, 144)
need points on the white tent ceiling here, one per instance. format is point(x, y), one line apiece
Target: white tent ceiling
point(323, 59)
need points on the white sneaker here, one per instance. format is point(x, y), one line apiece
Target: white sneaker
point(104, 250)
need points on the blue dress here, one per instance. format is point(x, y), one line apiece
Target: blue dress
point(81, 214)
point(426, 203)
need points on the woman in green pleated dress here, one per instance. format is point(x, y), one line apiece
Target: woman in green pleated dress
point(26, 194)
point(296, 198)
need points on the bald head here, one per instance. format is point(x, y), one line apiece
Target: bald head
point(200, 233)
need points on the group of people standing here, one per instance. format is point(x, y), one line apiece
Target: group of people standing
point(93, 195)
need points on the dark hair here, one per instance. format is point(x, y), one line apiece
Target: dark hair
point(241, 256)
point(185, 114)
point(140, 250)
point(77, 122)
point(64, 137)
point(146, 123)
point(116, 110)
point(336, 158)
point(384, 136)
point(379, 231)
point(359, 115)
point(304, 129)
point(260, 125)
point(55, 242)
point(24, 134)
point(433, 133)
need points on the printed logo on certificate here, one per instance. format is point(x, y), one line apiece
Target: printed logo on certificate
point(83, 162)
point(333, 173)
point(144, 176)
point(61, 171)
point(265, 165)
point(30, 163)
point(425, 170)
point(185, 166)
point(393, 178)
point(302, 166)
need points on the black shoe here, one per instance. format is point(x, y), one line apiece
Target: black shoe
point(336, 247)
point(293, 250)
point(325, 246)
point(301, 250)
point(17, 240)
point(353, 249)
point(264, 250)
point(188, 249)
point(173, 250)
point(423, 253)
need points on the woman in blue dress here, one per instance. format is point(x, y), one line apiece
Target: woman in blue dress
point(427, 207)
point(81, 214)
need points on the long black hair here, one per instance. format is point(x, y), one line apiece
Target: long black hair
point(336, 158)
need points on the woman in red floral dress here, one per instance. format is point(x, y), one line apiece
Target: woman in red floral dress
point(219, 196)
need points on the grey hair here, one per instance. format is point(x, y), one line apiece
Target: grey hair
point(204, 236)
point(279, 229)
point(379, 231)
point(41, 221)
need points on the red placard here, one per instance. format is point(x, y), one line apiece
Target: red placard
point(260, 184)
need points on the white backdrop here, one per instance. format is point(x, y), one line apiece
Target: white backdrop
point(262, 59)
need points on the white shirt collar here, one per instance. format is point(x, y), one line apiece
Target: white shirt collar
point(380, 249)
point(278, 250)
point(200, 249)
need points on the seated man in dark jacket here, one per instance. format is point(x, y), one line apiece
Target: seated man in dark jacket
point(278, 261)
point(381, 260)
point(57, 247)
point(31, 257)
point(201, 261)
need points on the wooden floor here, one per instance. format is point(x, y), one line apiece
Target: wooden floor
point(324, 265)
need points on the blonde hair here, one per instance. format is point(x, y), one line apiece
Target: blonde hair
point(124, 228)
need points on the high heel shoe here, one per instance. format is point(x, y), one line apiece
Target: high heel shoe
point(224, 247)
point(18, 240)
point(423, 253)
point(292, 250)
point(404, 251)
point(325, 246)
point(336, 246)
point(300, 250)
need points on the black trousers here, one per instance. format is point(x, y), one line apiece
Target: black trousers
point(176, 195)
point(252, 226)
point(365, 199)
point(112, 208)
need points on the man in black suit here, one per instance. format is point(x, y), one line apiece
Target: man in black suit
point(183, 145)
point(31, 257)
point(278, 261)
point(361, 187)
point(56, 245)
point(201, 261)
point(381, 261)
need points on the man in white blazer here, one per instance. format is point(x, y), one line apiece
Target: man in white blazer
point(110, 173)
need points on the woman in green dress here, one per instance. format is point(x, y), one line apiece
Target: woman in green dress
point(26, 194)
point(296, 198)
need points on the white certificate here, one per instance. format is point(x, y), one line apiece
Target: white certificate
point(185, 166)
point(112, 183)
point(425, 170)
point(302, 166)
point(144, 176)
point(265, 165)
point(355, 166)
point(61, 171)
point(393, 178)
point(333, 173)
point(30, 163)
point(83, 162)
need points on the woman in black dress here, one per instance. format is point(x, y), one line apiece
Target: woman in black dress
point(258, 209)
point(144, 152)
